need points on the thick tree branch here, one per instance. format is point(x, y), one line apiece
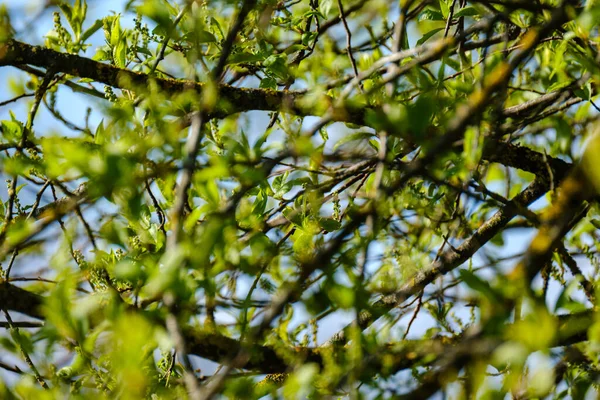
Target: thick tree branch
point(14, 298)
point(571, 328)
point(545, 167)
point(232, 99)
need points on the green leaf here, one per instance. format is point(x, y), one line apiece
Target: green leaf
point(268, 83)
point(11, 130)
point(428, 36)
point(279, 180)
point(203, 36)
point(67, 11)
point(115, 31)
point(326, 6)
point(445, 7)
point(466, 12)
point(498, 240)
point(304, 245)
point(430, 14)
point(363, 135)
point(329, 224)
point(18, 188)
point(159, 12)
point(102, 55)
point(120, 54)
point(589, 160)
point(420, 114)
point(276, 64)
point(471, 148)
point(100, 134)
point(245, 57)
point(558, 85)
point(585, 92)
point(91, 30)
point(342, 296)
point(216, 27)
point(293, 216)
point(479, 285)
point(284, 321)
point(260, 204)
point(566, 302)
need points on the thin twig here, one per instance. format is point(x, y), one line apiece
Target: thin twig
point(28, 360)
point(163, 46)
point(161, 214)
point(21, 324)
point(3, 103)
point(414, 316)
point(348, 40)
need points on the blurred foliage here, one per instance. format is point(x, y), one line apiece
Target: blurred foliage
point(319, 163)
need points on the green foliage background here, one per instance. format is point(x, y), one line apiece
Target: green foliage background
point(250, 173)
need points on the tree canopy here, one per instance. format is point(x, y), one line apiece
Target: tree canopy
point(299, 199)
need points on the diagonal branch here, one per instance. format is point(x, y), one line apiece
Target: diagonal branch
point(451, 259)
point(568, 209)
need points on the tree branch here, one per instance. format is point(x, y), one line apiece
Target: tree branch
point(14, 298)
point(450, 260)
point(231, 99)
